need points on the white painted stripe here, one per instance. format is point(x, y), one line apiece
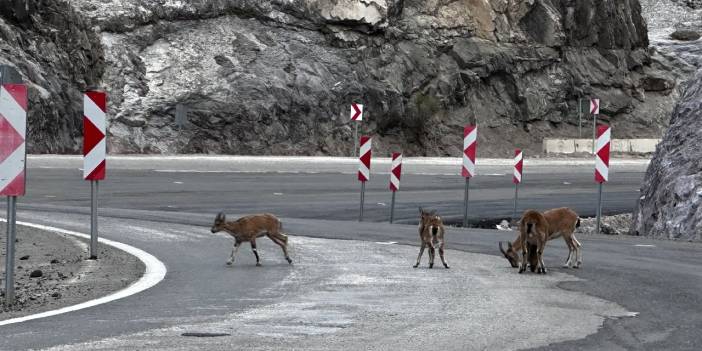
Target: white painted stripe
point(365, 148)
point(517, 158)
point(12, 166)
point(518, 175)
point(469, 165)
point(604, 139)
point(94, 158)
point(601, 168)
point(13, 112)
point(94, 113)
point(154, 274)
point(644, 245)
point(470, 138)
point(396, 162)
point(365, 172)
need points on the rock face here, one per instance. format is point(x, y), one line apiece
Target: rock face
point(278, 76)
point(59, 56)
point(671, 195)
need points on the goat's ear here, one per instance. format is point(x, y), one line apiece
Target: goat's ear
point(421, 211)
point(220, 216)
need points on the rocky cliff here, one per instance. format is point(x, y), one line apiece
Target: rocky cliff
point(671, 194)
point(58, 55)
point(277, 76)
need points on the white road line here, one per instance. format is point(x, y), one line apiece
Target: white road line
point(644, 245)
point(154, 274)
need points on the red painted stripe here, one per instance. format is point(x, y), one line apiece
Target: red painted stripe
point(99, 98)
point(16, 187)
point(91, 135)
point(518, 167)
point(98, 173)
point(10, 139)
point(19, 93)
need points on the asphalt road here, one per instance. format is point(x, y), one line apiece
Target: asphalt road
point(167, 214)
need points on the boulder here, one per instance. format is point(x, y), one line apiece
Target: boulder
point(670, 205)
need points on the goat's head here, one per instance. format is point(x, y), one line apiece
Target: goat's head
point(511, 254)
point(219, 222)
point(429, 219)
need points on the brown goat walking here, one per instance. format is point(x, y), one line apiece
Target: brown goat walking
point(431, 233)
point(249, 228)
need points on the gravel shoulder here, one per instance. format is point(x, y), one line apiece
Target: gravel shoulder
point(67, 276)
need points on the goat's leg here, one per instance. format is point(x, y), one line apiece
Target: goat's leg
point(571, 249)
point(578, 252)
point(525, 257)
point(432, 254)
point(283, 245)
point(441, 254)
point(542, 266)
point(235, 249)
point(421, 251)
point(253, 248)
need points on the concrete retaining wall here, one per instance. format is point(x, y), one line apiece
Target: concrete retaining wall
point(570, 146)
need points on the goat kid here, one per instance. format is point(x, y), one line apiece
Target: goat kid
point(533, 231)
point(249, 228)
point(431, 234)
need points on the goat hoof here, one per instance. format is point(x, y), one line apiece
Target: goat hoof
point(431, 266)
point(229, 263)
point(416, 265)
point(447, 266)
point(258, 264)
point(289, 260)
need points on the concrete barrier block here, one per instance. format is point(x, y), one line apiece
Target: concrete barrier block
point(559, 146)
point(583, 145)
point(644, 146)
point(620, 145)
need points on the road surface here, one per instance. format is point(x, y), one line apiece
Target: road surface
point(362, 294)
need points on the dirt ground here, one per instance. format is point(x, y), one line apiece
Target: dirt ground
point(67, 276)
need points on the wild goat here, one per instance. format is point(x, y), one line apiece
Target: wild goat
point(431, 233)
point(249, 228)
point(533, 231)
point(561, 222)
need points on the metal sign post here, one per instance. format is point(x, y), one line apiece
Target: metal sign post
point(395, 174)
point(94, 154)
point(604, 135)
point(517, 177)
point(364, 166)
point(357, 117)
point(10, 250)
point(13, 118)
point(594, 110)
point(580, 118)
point(470, 138)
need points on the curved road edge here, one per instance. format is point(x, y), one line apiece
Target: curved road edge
point(154, 273)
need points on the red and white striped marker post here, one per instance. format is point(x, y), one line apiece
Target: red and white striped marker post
point(395, 174)
point(13, 131)
point(94, 153)
point(357, 117)
point(470, 139)
point(364, 166)
point(604, 137)
point(517, 177)
point(594, 111)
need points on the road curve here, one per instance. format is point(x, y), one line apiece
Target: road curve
point(156, 211)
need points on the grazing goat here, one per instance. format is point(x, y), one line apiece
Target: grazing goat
point(431, 234)
point(533, 231)
point(249, 228)
point(561, 222)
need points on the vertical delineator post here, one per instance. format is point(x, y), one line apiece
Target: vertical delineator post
point(94, 154)
point(594, 110)
point(580, 118)
point(517, 177)
point(395, 175)
point(392, 207)
point(470, 141)
point(364, 165)
point(604, 135)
